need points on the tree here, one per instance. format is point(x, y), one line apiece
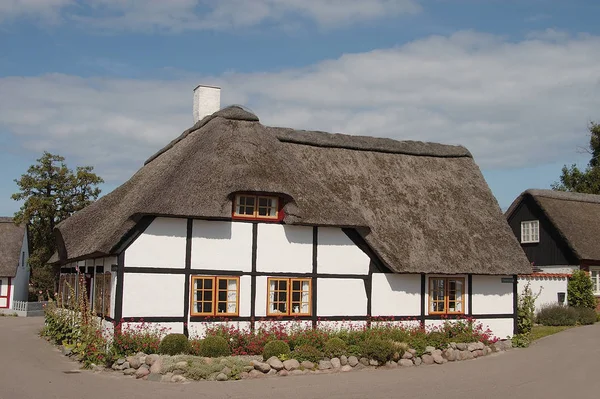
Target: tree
point(588, 180)
point(51, 192)
point(580, 290)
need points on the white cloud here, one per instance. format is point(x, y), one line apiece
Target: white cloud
point(179, 15)
point(512, 104)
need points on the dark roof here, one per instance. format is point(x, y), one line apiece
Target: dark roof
point(575, 216)
point(422, 207)
point(11, 241)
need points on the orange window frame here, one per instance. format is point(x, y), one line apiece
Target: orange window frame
point(289, 292)
point(446, 301)
point(214, 295)
point(255, 214)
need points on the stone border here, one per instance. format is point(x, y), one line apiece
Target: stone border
point(164, 368)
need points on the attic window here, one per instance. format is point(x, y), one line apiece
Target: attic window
point(530, 231)
point(256, 207)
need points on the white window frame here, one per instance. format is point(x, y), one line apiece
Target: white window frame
point(595, 276)
point(530, 231)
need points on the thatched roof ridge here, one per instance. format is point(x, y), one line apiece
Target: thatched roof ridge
point(576, 217)
point(11, 241)
point(422, 207)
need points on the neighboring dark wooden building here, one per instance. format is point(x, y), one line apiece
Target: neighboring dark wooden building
point(559, 231)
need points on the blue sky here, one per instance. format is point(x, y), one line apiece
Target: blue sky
point(108, 82)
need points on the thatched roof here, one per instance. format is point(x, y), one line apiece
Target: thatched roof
point(11, 241)
point(422, 207)
point(576, 217)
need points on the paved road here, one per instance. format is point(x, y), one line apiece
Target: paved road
point(565, 365)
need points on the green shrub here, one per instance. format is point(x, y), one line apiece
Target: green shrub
point(195, 347)
point(275, 348)
point(580, 291)
point(381, 350)
point(335, 347)
point(307, 352)
point(521, 340)
point(586, 316)
point(557, 315)
point(174, 344)
point(526, 309)
point(214, 346)
point(354, 350)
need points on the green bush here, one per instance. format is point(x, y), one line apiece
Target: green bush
point(174, 344)
point(354, 350)
point(275, 348)
point(379, 349)
point(307, 352)
point(586, 316)
point(580, 290)
point(214, 346)
point(557, 315)
point(335, 347)
point(521, 340)
point(525, 309)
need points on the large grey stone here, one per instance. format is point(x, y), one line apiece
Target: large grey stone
point(406, 363)
point(453, 345)
point(283, 373)
point(222, 377)
point(427, 359)
point(142, 372)
point(272, 372)
point(346, 367)
point(436, 352)
point(390, 364)
point(156, 366)
point(134, 362)
point(407, 355)
point(417, 361)
point(255, 374)
point(450, 354)
point(262, 367)
point(178, 378)
point(150, 359)
point(461, 346)
point(307, 365)
point(373, 362)
point(157, 377)
point(336, 363)
point(364, 361)
point(167, 377)
point(429, 349)
point(297, 372)
point(130, 371)
point(226, 370)
point(324, 365)
point(291, 364)
point(343, 360)
point(472, 346)
point(438, 359)
point(248, 369)
point(352, 361)
point(275, 363)
point(120, 361)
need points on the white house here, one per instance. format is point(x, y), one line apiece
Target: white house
point(238, 221)
point(14, 271)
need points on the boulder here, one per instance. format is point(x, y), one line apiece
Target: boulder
point(129, 371)
point(407, 355)
point(272, 372)
point(307, 365)
point(120, 361)
point(275, 363)
point(427, 359)
point(352, 361)
point(406, 363)
point(181, 365)
point(150, 359)
point(156, 366)
point(142, 372)
point(472, 346)
point(291, 364)
point(436, 352)
point(343, 360)
point(222, 377)
point(134, 362)
point(346, 367)
point(255, 374)
point(178, 378)
point(373, 362)
point(336, 363)
point(167, 377)
point(364, 361)
point(262, 367)
point(283, 373)
point(390, 364)
point(417, 361)
point(324, 365)
point(461, 346)
point(438, 359)
point(450, 354)
point(429, 349)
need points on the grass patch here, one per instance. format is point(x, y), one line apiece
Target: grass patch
point(538, 332)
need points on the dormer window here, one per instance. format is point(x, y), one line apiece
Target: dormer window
point(256, 207)
point(530, 231)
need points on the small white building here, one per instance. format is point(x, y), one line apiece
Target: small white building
point(240, 222)
point(14, 271)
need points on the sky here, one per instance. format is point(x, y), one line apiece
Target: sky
point(108, 82)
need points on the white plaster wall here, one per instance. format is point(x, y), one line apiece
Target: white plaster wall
point(491, 295)
point(559, 268)
point(20, 282)
point(261, 297)
point(341, 325)
point(113, 293)
point(547, 287)
point(222, 245)
point(337, 254)
point(152, 295)
point(396, 294)
point(433, 324)
point(198, 329)
point(163, 328)
point(282, 248)
point(501, 328)
point(397, 323)
point(161, 245)
point(341, 297)
point(107, 328)
point(288, 325)
point(245, 295)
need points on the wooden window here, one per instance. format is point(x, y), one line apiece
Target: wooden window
point(289, 297)
point(595, 276)
point(256, 207)
point(446, 295)
point(215, 296)
point(102, 290)
point(530, 231)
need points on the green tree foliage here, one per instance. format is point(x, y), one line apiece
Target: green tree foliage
point(588, 180)
point(580, 291)
point(526, 309)
point(51, 192)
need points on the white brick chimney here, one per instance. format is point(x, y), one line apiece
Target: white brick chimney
point(207, 100)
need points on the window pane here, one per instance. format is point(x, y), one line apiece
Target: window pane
point(207, 307)
point(296, 296)
point(263, 202)
point(263, 212)
point(222, 307)
point(250, 201)
point(296, 285)
point(208, 295)
point(222, 296)
point(222, 284)
point(208, 283)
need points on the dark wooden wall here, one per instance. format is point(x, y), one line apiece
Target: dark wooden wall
point(552, 249)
